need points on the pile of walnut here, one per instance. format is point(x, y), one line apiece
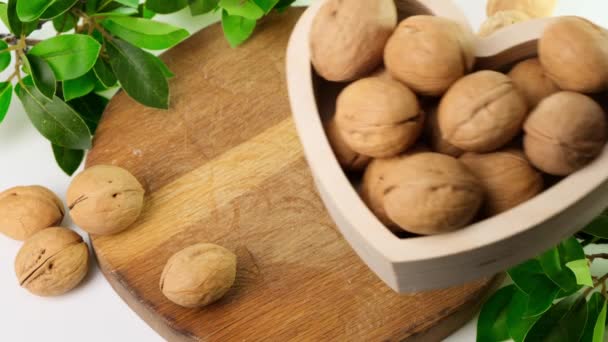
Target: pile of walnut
point(103, 200)
point(439, 143)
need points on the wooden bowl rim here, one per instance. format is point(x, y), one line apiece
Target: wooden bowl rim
point(332, 180)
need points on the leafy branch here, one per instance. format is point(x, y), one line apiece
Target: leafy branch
point(554, 297)
point(100, 45)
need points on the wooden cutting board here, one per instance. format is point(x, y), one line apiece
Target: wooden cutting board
point(224, 165)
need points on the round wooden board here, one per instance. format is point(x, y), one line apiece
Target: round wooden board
point(224, 165)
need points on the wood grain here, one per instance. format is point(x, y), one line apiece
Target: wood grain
point(224, 165)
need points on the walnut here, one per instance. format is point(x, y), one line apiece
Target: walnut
point(431, 193)
point(198, 275)
point(565, 133)
point(482, 112)
point(25, 210)
point(378, 117)
point(52, 262)
point(347, 38)
point(507, 178)
point(105, 199)
point(532, 81)
point(429, 53)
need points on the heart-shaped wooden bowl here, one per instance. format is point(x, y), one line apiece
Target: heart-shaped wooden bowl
point(481, 249)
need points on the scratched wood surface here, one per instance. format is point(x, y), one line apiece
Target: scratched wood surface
point(224, 165)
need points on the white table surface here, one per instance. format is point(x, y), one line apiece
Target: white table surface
point(93, 312)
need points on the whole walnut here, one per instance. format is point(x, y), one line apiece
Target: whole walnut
point(532, 81)
point(501, 20)
point(507, 178)
point(574, 53)
point(198, 275)
point(347, 38)
point(565, 133)
point(372, 185)
point(52, 262)
point(482, 112)
point(25, 210)
point(378, 117)
point(105, 199)
point(431, 193)
point(435, 136)
point(534, 8)
point(429, 53)
point(348, 159)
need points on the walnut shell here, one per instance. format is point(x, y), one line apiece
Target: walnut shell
point(574, 53)
point(105, 199)
point(52, 262)
point(378, 117)
point(532, 81)
point(25, 210)
point(435, 136)
point(501, 20)
point(534, 8)
point(429, 53)
point(507, 178)
point(347, 38)
point(565, 133)
point(431, 193)
point(372, 185)
point(482, 112)
point(348, 159)
point(198, 275)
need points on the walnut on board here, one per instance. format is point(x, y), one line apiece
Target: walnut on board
point(534, 8)
point(501, 20)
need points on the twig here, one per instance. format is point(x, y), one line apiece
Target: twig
point(597, 282)
point(592, 257)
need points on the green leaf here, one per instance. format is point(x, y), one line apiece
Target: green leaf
point(118, 12)
point(284, 4)
point(526, 276)
point(541, 298)
point(242, 8)
point(596, 319)
point(598, 227)
point(16, 26)
point(164, 68)
point(492, 323)
point(570, 250)
point(30, 10)
point(79, 87)
point(64, 22)
point(581, 271)
point(145, 33)
point(43, 76)
point(144, 12)
point(198, 7)
point(90, 108)
point(565, 321)
point(129, 3)
point(518, 325)
point(139, 74)
point(4, 14)
point(104, 73)
point(6, 94)
point(556, 271)
point(69, 55)
point(91, 6)
point(266, 5)
point(68, 160)
point(5, 57)
point(237, 29)
point(54, 119)
point(58, 8)
point(166, 7)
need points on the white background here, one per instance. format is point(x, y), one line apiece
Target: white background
point(93, 312)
